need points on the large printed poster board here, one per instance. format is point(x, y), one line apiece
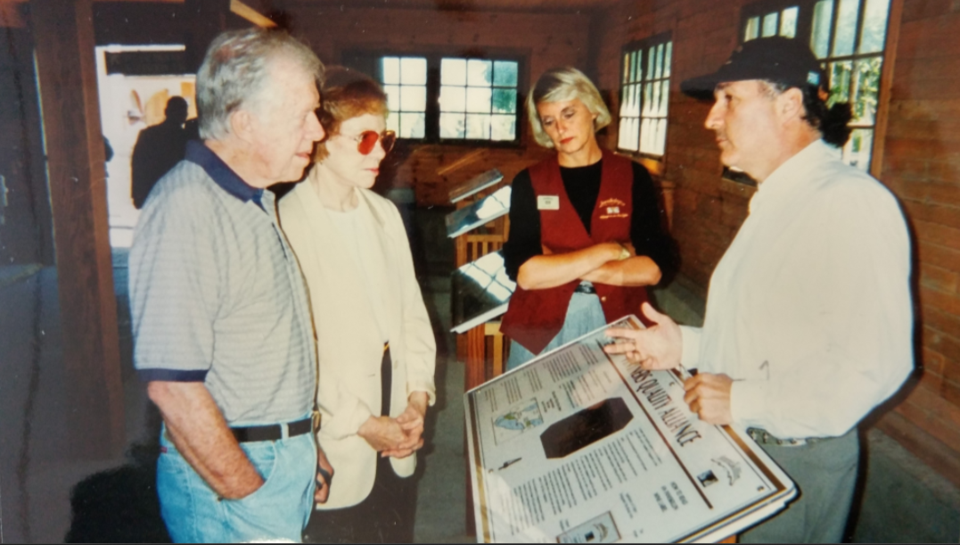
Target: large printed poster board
point(578, 446)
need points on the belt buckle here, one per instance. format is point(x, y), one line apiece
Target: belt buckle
point(315, 417)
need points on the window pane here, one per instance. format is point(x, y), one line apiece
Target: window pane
point(667, 59)
point(453, 99)
point(651, 60)
point(453, 72)
point(504, 101)
point(661, 143)
point(859, 148)
point(478, 126)
point(788, 22)
point(664, 97)
point(770, 24)
point(658, 67)
point(655, 99)
point(393, 97)
point(753, 29)
point(635, 109)
point(451, 126)
point(645, 133)
point(505, 73)
point(626, 68)
point(638, 65)
point(478, 99)
point(622, 136)
point(393, 122)
point(866, 90)
point(822, 19)
point(478, 72)
point(413, 70)
point(412, 125)
point(391, 70)
point(846, 27)
point(874, 26)
point(632, 74)
point(504, 127)
point(627, 133)
point(647, 98)
point(413, 98)
point(840, 81)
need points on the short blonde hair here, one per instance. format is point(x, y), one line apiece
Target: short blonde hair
point(559, 84)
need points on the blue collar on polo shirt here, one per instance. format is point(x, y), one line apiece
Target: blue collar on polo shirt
point(221, 173)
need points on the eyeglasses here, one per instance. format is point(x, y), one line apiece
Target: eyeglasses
point(367, 140)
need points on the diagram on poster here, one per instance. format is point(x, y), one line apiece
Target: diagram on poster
point(517, 421)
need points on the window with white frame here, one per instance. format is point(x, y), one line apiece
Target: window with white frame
point(405, 82)
point(478, 99)
point(849, 37)
point(437, 98)
point(645, 96)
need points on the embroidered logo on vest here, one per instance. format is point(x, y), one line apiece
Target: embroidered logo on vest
point(611, 209)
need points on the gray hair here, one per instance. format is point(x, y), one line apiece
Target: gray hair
point(560, 84)
point(235, 71)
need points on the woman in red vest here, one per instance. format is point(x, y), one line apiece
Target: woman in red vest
point(586, 236)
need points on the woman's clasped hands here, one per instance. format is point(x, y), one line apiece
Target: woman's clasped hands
point(401, 436)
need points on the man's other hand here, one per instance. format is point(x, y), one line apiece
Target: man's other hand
point(708, 395)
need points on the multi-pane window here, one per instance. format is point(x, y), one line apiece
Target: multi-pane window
point(478, 99)
point(435, 98)
point(644, 97)
point(774, 23)
point(849, 37)
point(405, 82)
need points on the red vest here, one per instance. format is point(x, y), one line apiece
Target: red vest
point(534, 317)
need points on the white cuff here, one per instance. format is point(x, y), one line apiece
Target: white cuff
point(747, 404)
point(690, 341)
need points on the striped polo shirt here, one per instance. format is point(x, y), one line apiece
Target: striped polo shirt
point(216, 294)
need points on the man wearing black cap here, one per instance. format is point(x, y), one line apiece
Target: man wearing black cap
point(808, 324)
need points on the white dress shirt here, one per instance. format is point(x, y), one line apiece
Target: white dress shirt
point(809, 309)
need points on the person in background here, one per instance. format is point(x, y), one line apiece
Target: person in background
point(221, 319)
point(157, 150)
point(586, 235)
point(375, 343)
point(809, 323)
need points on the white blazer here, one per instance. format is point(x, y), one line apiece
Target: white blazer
point(349, 344)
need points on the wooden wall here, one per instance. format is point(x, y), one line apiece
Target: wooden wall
point(920, 163)
point(546, 40)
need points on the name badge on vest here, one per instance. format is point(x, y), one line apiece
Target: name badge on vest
point(548, 202)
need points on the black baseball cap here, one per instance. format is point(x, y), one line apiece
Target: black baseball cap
point(777, 59)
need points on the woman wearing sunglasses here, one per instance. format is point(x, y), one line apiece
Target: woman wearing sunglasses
point(375, 343)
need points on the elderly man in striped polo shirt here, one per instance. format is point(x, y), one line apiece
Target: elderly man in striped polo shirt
point(221, 320)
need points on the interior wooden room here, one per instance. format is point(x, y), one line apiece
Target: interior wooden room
point(81, 79)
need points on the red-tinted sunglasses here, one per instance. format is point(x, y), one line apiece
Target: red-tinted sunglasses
point(367, 140)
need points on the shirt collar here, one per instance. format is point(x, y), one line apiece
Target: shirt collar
point(792, 172)
point(221, 173)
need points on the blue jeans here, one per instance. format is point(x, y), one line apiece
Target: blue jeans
point(584, 314)
point(278, 510)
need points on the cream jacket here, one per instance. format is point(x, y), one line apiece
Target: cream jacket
point(349, 345)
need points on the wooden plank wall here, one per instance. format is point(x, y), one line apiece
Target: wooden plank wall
point(920, 164)
point(546, 40)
